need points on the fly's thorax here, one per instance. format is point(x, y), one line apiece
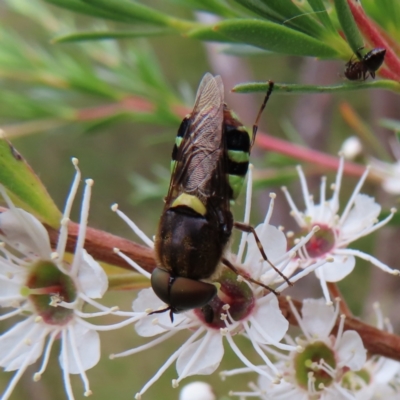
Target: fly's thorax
point(374, 59)
point(238, 146)
point(191, 240)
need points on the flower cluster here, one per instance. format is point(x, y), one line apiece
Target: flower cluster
point(47, 294)
point(324, 362)
point(336, 232)
point(333, 365)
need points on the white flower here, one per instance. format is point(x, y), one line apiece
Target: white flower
point(239, 308)
point(318, 371)
point(359, 218)
point(49, 294)
point(379, 377)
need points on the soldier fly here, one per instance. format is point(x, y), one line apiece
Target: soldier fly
point(210, 159)
point(365, 66)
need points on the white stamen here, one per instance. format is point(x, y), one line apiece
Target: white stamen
point(259, 351)
point(171, 359)
point(111, 327)
point(63, 235)
point(146, 346)
point(19, 373)
point(133, 264)
point(135, 229)
point(369, 258)
point(247, 211)
point(340, 331)
point(198, 353)
point(65, 366)
point(77, 357)
point(46, 355)
point(78, 257)
point(356, 190)
point(244, 360)
point(295, 213)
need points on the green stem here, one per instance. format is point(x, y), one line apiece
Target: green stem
point(290, 88)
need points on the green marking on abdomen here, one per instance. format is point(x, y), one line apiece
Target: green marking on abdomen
point(238, 156)
point(236, 182)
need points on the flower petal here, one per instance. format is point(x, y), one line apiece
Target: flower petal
point(10, 294)
point(269, 319)
point(208, 359)
point(318, 318)
point(337, 270)
point(351, 351)
point(92, 278)
point(275, 246)
point(387, 370)
point(363, 214)
point(25, 339)
point(25, 233)
point(87, 346)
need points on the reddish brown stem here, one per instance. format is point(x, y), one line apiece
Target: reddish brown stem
point(373, 35)
point(100, 245)
point(269, 142)
point(336, 294)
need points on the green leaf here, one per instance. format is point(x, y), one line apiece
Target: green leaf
point(293, 15)
point(243, 50)
point(82, 8)
point(270, 36)
point(289, 88)
point(24, 187)
point(348, 25)
point(102, 35)
point(286, 13)
point(209, 34)
point(261, 9)
point(320, 11)
point(212, 6)
point(141, 13)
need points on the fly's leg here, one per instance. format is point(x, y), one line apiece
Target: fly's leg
point(238, 272)
point(249, 229)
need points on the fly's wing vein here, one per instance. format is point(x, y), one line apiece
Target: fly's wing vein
point(202, 145)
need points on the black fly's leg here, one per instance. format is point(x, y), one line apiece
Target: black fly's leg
point(255, 126)
point(249, 229)
point(247, 278)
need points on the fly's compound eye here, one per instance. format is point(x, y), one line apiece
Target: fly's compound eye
point(181, 294)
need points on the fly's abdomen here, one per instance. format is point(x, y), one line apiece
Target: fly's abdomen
point(238, 145)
